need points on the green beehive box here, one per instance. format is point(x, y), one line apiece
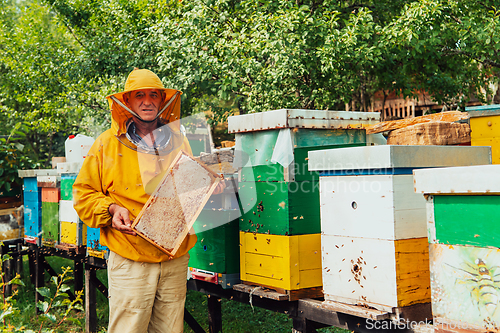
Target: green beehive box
point(217, 248)
point(467, 219)
point(280, 208)
point(67, 181)
point(50, 223)
point(258, 148)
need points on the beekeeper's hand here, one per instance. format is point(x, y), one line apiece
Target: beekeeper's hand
point(121, 219)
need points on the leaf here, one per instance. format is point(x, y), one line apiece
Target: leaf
point(17, 281)
point(44, 291)
point(64, 287)
point(43, 306)
point(50, 316)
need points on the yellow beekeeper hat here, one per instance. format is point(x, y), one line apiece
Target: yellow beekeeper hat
point(169, 111)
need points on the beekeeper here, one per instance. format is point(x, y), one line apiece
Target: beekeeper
point(147, 289)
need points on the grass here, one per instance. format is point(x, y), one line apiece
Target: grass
point(236, 317)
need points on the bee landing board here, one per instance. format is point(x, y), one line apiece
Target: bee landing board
point(172, 209)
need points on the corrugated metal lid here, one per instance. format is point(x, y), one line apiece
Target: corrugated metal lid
point(37, 172)
point(483, 110)
point(296, 118)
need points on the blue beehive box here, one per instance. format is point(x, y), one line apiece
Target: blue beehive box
point(94, 246)
point(32, 211)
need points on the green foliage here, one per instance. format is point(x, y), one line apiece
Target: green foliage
point(60, 58)
point(12, 159)
point(59, 302)
point(55, 309)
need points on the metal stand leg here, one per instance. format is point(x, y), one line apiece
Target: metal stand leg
point(90, 300)
point(214, 314)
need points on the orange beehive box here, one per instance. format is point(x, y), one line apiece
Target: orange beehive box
point(172, 209)
point(51, 194)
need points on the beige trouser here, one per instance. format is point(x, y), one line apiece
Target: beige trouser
point(146, 297)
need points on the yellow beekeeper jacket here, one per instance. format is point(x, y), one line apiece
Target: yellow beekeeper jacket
point(117, 171)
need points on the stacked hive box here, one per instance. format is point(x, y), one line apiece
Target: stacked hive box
point(280, 225)
point(32, 195)
point(51, 194)
point(215, 257)
point(73, 231)
point(373, 225)
point(485, 128)
point(463, 216)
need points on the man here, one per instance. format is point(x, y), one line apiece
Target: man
point(147, 289)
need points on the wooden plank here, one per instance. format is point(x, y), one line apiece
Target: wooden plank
point(448, 116)
point(176, 202)
point(441, 133)
point(259, 291)
point(467, 219)
point(278, 294)
point(355, 310)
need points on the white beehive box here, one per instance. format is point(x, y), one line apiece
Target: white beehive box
point(378, 206)
point(379, 273)
point(373, 222)
point(67, 212)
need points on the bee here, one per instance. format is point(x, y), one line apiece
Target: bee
point(483, 282)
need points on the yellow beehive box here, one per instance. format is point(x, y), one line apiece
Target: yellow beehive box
point(73, 233)
point(485, 128)
point(284, 262)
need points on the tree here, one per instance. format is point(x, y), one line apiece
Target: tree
point(60, 58)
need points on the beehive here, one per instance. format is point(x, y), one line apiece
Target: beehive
point(174, 206)
point(374, 225)
point(283, 262)
point(94, 246)
point(50, 208)
point(32, 195)
point(485, 128)
point(462, 220)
